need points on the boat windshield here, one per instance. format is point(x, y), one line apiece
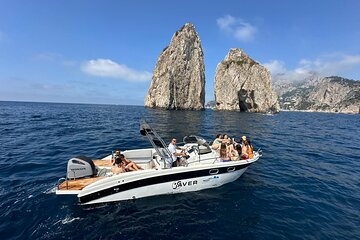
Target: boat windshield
point(201, 142)
point(194, 139)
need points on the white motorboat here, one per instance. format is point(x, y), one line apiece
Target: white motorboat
point(93, 181)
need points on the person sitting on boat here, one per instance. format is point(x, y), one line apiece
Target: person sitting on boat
point(238, 150)
point(231, 152)
point(234, 154)
point(250, 149)
point(118, 166)
point(129, 165)
point(217, 142)
point(175, 155)
point(115, 156)
point(246, 149)
point(224, 153)
point(225, 139)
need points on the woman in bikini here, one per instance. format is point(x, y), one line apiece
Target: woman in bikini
point(129, 165)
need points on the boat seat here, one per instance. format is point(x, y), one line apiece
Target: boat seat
point(141, 156)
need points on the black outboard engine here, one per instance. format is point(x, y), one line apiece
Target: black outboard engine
point(79, 167)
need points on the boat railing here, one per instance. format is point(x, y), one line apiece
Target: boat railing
point(216, 159)
point(60, 181)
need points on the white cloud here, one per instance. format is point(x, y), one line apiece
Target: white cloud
point(237, 27)
point(275, 67)
point(108, 68)
point(341, 64)
point(327, 65)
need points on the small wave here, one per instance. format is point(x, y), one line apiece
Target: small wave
point(69, 220)
point(37, 118)
point(2, 191)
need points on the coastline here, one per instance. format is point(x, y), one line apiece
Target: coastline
point(321, 111)
point(309, 111)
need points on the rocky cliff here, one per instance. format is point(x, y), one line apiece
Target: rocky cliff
point(329, 94)
point(241, 84)
point(282, 86)
point(178, 80)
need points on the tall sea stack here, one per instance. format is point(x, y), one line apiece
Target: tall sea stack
point(178, 80)
point(241, 84)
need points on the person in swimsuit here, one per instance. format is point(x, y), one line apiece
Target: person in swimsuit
point(129, 165)
point(246, 149)
point(224, 153)
point(217, 142)
point(118, 166)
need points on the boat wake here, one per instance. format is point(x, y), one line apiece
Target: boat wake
point(51, 190)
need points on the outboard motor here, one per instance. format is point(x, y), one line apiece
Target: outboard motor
point(79, 167)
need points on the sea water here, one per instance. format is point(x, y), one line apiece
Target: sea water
point(306, 185)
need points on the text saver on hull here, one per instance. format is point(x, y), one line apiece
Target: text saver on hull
point(201, 170)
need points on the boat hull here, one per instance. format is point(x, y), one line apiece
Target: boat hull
point(161, 182)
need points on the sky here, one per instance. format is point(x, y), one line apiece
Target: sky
point(104, 52)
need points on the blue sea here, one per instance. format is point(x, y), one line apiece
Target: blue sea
point(306, 185)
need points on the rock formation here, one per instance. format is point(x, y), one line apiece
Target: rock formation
point(241, 84)
point(335, 94)
point(178, 80)
point(283, 85)
point(330, 94)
